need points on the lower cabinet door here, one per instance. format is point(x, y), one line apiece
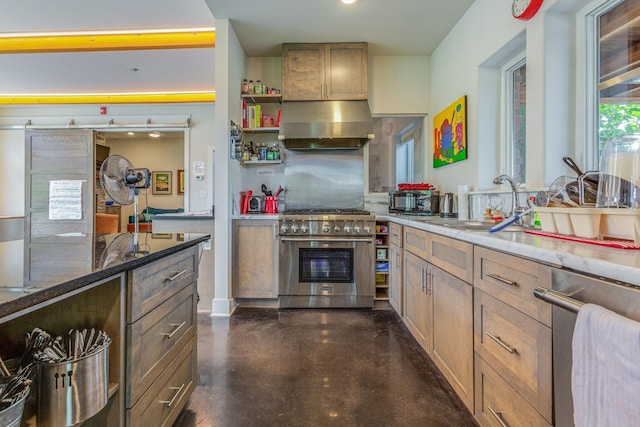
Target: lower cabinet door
point(499, 405)
point(162, 402)
point(416, 307)
point(452, 344)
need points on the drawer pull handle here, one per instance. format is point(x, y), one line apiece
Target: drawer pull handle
point(175, 276)
point(498, 416)
point(502, 343)
point(501, 279)
point(170, 403)
point(177, 328)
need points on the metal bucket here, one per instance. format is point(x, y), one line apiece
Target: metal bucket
point(72, 392)
point(12, 416)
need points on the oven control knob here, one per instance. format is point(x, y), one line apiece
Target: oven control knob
point(304, 228)
point(346, 228)
point(294, 228)
point(336, 228)
point(367, 229)
point(326, 228)
point(284, 228)
point(356, 228)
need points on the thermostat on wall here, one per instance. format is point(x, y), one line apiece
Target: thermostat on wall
point(198, 170)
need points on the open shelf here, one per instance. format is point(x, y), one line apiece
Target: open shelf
point(261, 130)
point(264, 99)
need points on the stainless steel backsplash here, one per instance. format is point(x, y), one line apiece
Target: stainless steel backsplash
point(327, 179)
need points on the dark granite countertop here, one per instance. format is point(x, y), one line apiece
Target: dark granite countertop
point(112, 255)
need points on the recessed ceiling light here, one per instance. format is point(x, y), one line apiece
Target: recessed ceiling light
point(130, 133)
point(348, 1)
point(154, 135)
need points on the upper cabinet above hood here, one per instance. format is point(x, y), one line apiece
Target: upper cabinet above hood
point(325, 124)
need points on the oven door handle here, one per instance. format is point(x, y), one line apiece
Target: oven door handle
point(324, 240)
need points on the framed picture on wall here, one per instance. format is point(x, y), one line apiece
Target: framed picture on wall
point(450, 134)
point(161, 182)
point(180, 181)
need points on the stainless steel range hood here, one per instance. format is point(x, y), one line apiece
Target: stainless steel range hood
point(316, 125)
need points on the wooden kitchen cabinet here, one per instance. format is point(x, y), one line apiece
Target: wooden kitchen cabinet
point(498, 405)
point(416, 303)
point(319, 72)
point(438, 305)
point(161, 324)
point(416, 241)
point(255, 258)
point(452, 341)
point(512, 337)
point(453, 256)
point(395, 268)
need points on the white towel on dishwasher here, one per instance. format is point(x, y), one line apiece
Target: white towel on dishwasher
point(605, 376)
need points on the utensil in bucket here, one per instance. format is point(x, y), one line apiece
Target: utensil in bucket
point(74, 391)
point(12, 416)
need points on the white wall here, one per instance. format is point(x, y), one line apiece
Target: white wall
point(457, 68)
point(230, 71)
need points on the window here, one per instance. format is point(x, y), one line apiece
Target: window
point(404, 156)
point(515, 103)
point(618, 77)
point(396, 153)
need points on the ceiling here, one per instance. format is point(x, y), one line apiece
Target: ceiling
point(405, 27)
point(401, 27)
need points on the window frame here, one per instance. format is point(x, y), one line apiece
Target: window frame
point(588, 98)
point(507, 70)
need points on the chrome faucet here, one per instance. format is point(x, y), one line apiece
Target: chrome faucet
point(506, 179)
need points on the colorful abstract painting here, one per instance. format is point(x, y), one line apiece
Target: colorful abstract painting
point(450, 134)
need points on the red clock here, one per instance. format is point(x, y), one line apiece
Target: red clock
point(525, 9)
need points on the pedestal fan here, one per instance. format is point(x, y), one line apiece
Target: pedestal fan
point(122, 182)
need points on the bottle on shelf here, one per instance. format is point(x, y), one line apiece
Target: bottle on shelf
point(250, 86)
point(245, 86)
point(257, 89)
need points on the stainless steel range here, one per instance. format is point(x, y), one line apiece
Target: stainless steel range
point(327, 259)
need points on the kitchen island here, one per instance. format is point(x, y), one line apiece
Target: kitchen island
point(140, 290)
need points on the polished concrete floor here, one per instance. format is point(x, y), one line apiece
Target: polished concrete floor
point(316, 368)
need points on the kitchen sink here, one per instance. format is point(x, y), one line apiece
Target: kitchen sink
point(479, 226)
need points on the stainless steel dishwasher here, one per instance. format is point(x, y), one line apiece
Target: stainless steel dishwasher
point(569, 291)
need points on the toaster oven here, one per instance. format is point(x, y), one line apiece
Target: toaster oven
point(256, 204)
point(414, 202)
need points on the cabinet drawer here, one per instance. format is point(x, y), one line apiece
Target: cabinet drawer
point(417, 242)
point(395, 234)
point(512, 280)
point(517, 347)
point(451, 255)
point(162, 403)
point(497, 404)
point(154, 283)
point(154, 340)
